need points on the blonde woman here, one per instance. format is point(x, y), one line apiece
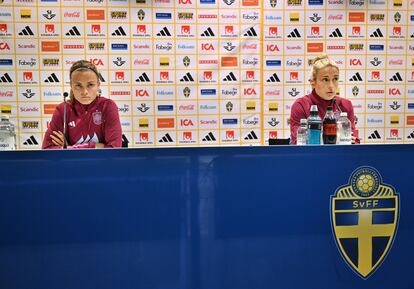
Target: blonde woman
point(324, 81)
point(90, 120)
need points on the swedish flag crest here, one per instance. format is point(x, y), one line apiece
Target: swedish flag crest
point(364, 218)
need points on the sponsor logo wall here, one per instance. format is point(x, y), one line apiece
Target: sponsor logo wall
point(209, 72)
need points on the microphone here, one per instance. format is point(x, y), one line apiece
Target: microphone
point(333, 103)
point(65, 145)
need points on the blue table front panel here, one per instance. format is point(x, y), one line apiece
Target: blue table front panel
point(199, 218)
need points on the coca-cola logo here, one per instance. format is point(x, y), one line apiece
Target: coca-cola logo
point(74, 14)
point(8, 93)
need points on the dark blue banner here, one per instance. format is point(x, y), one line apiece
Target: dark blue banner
point(208, 218)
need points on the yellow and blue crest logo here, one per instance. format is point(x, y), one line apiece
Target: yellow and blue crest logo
point(364, 218)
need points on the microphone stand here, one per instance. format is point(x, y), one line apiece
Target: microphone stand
point(65, 144)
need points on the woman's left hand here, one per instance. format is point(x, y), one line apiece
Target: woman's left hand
point(58, 138)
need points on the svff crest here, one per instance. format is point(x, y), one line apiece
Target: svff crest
point(364, 218)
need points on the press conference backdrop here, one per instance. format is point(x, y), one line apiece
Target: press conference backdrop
point(209, 72)
point(210, 218)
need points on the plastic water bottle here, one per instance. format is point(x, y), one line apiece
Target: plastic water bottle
point(344, 129)
point(329, 127)
point(302, 133)
point(314, 126)
point(7, 134)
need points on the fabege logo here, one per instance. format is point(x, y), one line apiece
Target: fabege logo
point(364, 218)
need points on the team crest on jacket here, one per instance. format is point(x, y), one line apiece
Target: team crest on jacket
point(97, 117)
point(364, 218)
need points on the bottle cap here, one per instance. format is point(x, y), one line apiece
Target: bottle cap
point(344, 113)
point(303, 121)
point(314, 107)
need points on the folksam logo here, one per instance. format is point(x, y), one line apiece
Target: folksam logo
point(364, 219)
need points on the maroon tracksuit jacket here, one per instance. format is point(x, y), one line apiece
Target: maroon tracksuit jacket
point(301, 109)
point(87, 125)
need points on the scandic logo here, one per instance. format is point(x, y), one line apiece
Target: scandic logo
point(93, 14)
point(50, 46)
